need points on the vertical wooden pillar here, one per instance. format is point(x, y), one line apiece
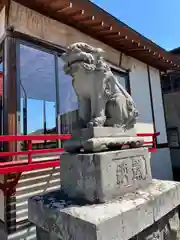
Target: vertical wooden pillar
point(10, 92)
point(10, 120)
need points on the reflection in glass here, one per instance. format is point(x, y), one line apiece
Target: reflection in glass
point(122, 78)
point(50, 117)
point(68, 103)
point(34, 116)
point(38, 91)
point(37, 74)
point(23, 116)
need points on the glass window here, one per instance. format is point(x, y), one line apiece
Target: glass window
point(38, 92)
point(123, 79)
point(176, 83)
point(166, 84)
point(68, 101)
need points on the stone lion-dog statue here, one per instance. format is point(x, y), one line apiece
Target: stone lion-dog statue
point(102, 99)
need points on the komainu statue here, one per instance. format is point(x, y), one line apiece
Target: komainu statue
point(107, 113)
point(102, 99)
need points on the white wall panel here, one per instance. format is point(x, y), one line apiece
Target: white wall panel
point(141, 95)
point(158, 105)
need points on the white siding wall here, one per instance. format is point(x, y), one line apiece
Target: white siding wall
point(141, 95)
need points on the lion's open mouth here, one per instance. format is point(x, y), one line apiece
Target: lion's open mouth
point(79, 61)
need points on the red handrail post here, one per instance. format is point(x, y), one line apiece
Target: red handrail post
point(29, 151)
point(153, 142)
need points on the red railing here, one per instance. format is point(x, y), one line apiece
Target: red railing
point(17, 167)
point(29, 164)
point(149, 143)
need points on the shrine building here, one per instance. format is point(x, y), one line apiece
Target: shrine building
point(36, 97)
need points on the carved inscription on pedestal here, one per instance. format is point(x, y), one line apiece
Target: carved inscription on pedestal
point(122, 174)
point(139, 170)
point(130, 170)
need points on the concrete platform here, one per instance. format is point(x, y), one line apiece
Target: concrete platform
point(121, 219)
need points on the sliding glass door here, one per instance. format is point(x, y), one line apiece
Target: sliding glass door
point(37, 92)
point(48, 102)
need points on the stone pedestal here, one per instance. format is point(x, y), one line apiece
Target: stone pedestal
point(107, 195)
point(99, 177)
point(148, 213)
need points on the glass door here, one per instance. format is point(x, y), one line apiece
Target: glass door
point(38, 94)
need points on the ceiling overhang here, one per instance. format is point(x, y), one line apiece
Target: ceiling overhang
point(92, 20)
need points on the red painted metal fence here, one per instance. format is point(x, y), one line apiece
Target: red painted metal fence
point(19, 166)
point(149, 143)
point(29, 164)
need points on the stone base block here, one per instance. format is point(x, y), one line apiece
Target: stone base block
point(41, 234)
point(98, 139)
point(125, 218)
point(100, 132)
point(167, 228)
point(99, 177)
point(102, 144)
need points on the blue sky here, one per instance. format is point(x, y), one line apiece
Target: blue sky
point(158, 20)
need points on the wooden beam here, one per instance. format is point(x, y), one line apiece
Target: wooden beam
point(108, 32)
point(120, 38)
point(66, 9)
point(78, 15)
point(10, 91)
point(102, 27)
point(10, 120)
point(115, 36)
point(140, 49)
